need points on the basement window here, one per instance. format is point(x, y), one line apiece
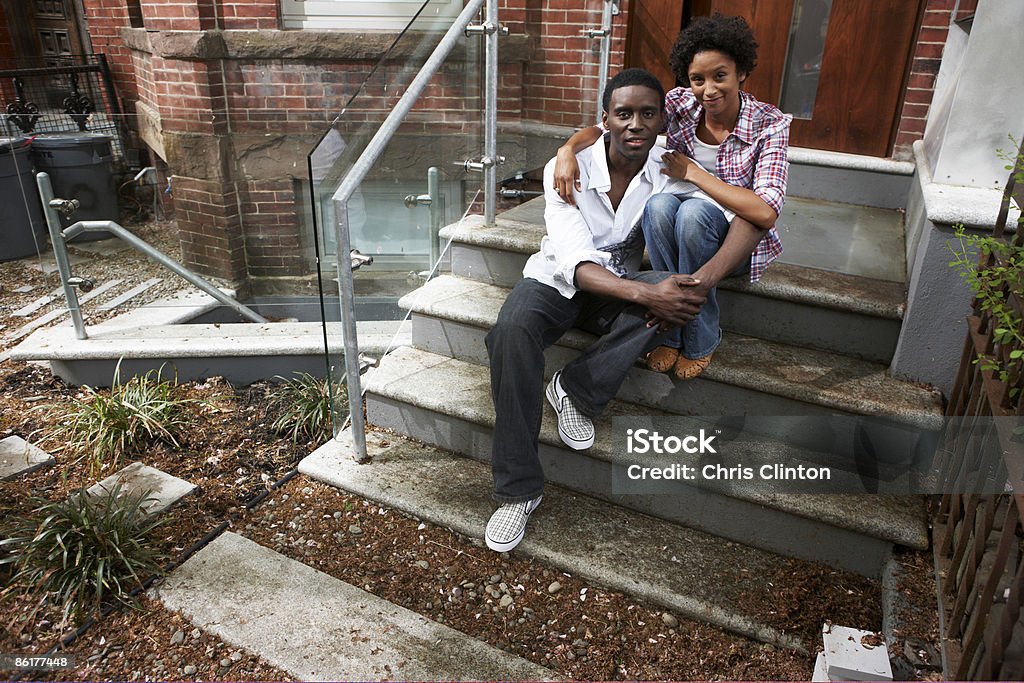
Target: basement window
point(359, 15)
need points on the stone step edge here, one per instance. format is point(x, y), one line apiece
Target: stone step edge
point(208, 340)
point(333, 464)
point(312, 639)
point(783, 281)
point(810, 506)
point(420, 303)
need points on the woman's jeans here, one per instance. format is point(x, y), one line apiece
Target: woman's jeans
point(682, 234)
point(533, 318)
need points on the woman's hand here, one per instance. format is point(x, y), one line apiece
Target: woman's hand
point(679, 166)
point(567, 174)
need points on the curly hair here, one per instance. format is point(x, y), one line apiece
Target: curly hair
point(628, 77)
point(729, 35)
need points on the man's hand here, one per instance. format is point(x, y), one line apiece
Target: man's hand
point(567, 174)
point(676, 300)
point(679, 166)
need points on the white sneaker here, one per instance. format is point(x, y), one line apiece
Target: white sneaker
point(507, 525)
point(575, 428)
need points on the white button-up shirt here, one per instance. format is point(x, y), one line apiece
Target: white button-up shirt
point(593, 231)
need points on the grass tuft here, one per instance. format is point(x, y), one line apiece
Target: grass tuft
point(104, 426)
point(83, 550)
point(303, 407)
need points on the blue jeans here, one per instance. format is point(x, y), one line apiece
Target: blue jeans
point(533, 317)
point(682, 234)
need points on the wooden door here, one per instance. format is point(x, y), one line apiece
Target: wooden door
point(857, 74)
point(653, 28)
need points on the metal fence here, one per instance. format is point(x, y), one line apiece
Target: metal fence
point(61, 94)
point(979, 545)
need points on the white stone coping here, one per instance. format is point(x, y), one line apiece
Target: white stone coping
point(214, 340)
point(852, 162)
point(974, 207)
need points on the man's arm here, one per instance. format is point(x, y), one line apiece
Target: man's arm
point(567, 172)
point(568, 236)
point(675, 300)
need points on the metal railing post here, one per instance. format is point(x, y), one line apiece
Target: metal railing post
point(347, 295)
point(605, 34)
point(436, 213)
point(491, 114)
point(60, 252)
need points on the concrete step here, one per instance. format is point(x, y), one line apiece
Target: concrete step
point(446, 402)
point(688, 572)
point(849, 178)
point(236, 588)
point(451, 316)
point(793, 304)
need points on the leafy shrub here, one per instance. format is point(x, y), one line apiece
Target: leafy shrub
point(303, 407)
point(82, 550)
point(105, 426)
point(995, 280)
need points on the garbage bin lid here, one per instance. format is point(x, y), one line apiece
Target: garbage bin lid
point(7, 144)
point(69, 140)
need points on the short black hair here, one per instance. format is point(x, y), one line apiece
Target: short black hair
point(628, 77)
point(729, 35)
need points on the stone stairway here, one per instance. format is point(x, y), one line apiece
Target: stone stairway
point(803, 343)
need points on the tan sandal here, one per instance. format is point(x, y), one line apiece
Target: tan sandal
point(662, 359)
point(688, 368)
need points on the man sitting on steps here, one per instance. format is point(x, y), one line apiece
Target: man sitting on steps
point(586, 275)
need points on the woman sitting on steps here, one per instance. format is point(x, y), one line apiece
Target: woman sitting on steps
point(734, 149)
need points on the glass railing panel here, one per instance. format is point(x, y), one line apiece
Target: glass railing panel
point(419, 184)
point(549, 87)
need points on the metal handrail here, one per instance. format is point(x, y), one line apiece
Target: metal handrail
point(369, 157)
point(58, 236)
point(605, 34)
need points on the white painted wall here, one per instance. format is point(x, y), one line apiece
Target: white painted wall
point(979, 98)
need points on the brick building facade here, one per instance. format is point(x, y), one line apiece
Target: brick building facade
point(229, 105)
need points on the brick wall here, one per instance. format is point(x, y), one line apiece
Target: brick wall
point(249, 14)
point(560, 83)
point(105, 19)
point(927, 56)
point(202, 15)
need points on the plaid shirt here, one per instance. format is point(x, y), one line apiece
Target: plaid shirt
point(753, 156)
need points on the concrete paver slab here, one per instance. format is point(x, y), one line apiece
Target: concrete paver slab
point(18, 457)
point(320, 628)
point(165, 489)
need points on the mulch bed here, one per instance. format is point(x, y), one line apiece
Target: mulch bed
point(580, 630)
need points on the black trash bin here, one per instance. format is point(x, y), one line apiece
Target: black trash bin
point(22, 224)
point(81, 166)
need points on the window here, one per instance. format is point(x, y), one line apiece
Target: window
point(361, 15)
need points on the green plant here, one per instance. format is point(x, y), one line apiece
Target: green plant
point(82, 550)
point(993, 268)
point(104, 426)
point(303, 407)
